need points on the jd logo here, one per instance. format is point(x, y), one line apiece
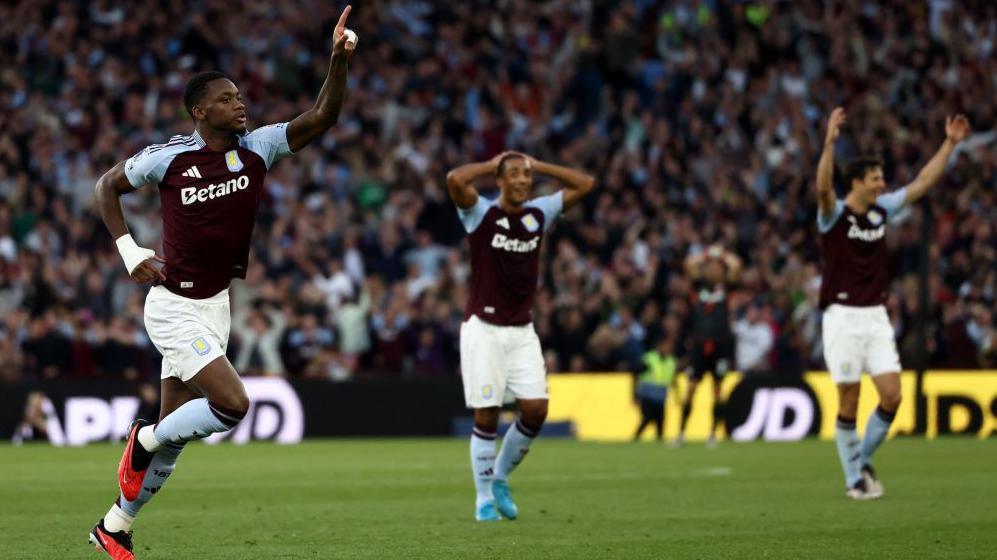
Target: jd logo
point(760, 408)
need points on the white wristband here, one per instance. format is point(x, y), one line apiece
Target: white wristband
point(131, 253)
point(351, 37)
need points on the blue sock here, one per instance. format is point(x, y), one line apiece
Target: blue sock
point(515, 446)
point(848, 450)
point(196, 419)
point(160, 469)
point(875, 432)
point(482, 464)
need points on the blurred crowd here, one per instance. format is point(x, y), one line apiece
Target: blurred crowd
point(702, 121)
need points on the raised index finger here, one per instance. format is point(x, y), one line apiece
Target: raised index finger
point(343, 16)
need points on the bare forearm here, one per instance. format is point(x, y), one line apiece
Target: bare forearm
point(931, 172)
point(825, 179)
point(692, 264)
point(333, 92)
point(460, 182)
point(110, 211)
point(467, 173)
point(109, 204)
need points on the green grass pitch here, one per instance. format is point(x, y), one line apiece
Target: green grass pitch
point(413, 499)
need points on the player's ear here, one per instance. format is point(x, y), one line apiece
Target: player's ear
point(197, 112)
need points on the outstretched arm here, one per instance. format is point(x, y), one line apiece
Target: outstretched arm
point(956, 129)
point(576, 183)
point(314, 122)
point(140, 262)
point(825, 169)
point(460, 181)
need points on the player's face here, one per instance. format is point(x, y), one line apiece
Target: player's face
point(713, 271)
point(223, 106)
point(872, 185)
point(516, 181)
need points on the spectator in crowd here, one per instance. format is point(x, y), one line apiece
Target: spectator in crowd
point(259, 330)
point(308, 346)
point(754, 341)
point(701, 122)
point(34, 422)
point(352, 325)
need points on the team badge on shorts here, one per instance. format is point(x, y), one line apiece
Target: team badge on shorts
point(487, 391)
point(232, 161)
point(530, 223)
point(201, 346)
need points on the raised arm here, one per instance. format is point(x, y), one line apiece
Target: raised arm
point(825, 169)
point(576, 183)
point(956, 130)
point(734, 266)
point(314, 122)
point(693, 265)
point(139, 262)
point(460, 181)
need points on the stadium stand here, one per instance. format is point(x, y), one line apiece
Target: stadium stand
point(702, 121)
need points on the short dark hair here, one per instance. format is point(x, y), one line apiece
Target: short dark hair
point(197, 86)
point(501, 166)
point(858, 168)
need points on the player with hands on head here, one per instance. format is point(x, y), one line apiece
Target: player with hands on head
point(500, 352)
point(713, 273)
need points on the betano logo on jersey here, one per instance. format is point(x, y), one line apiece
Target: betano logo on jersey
point(514, 245)
point(190, 195)
point(855, 232)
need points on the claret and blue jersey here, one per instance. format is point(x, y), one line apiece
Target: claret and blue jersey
point(505, 257)
point(856, 260)
point(209, 202)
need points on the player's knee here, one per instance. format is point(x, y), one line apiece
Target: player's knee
point(240, 403)
point(486, 419)
point(234, 406)
point(848, 406)
point(890, 402)
point(534, 416)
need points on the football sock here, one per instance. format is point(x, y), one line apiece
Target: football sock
point(686, 411)
point(163, 463)
point(875, 432)
point(718, 416)
point(117, 520)
point(147, 437)
point(848, 450)
point(483, 463)
point(515, 446)
point(196, 419)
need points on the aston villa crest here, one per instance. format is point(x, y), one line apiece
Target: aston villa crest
point(232, 161)
point(530, 223)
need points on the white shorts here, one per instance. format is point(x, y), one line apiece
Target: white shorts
point(496, 359)
point(189, 333)
point(858, 339)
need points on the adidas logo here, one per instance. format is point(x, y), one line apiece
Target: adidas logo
point(193, 173)
point(504, 222)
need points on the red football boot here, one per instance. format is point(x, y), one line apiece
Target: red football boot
point(117, 545)
point(129, 479)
